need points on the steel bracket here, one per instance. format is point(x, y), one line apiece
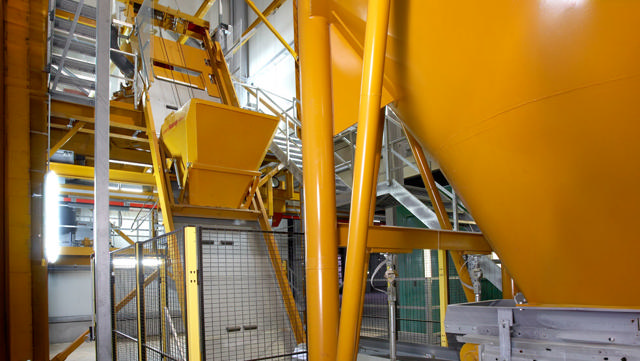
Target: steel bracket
point(505, 321)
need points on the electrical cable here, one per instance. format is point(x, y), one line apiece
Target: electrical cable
point(373, 275)
point(461, 281)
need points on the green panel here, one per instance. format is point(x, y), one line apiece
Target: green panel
point(411, 292)
point(489, 291)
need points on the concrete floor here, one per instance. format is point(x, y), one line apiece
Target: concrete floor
point(86, 351)
point(363, 357)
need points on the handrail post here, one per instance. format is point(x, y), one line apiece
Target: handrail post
point(286, 125)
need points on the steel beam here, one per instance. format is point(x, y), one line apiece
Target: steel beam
point(84, 130)
point(115, 175)
point(121, 115)
point(213, 212)
point(404, 239)
point(102, 283)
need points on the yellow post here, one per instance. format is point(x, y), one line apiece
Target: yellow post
point(364, 174)
point(443, 290)
point(193, 299)
point(372, 212)
point(319, 190)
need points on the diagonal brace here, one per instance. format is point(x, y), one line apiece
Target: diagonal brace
point(73, 131)
point(273, 29)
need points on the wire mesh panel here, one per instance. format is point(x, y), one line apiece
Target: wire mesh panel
point(244, 311)
point(415, 309)
point(163, 262)
point(150, 277)
point(416, 305)
point(375, 312)
point(124, 301)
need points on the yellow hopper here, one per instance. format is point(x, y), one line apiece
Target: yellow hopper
point(218, 150)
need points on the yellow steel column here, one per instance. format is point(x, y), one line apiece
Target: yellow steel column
point(319, 189)
point(364, 176)
point(16, 237)
point(372, 212)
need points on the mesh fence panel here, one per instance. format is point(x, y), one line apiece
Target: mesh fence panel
point(375, 311)
point(161, 281)
point(417, 299)
point(124, 301)
point(245, 317)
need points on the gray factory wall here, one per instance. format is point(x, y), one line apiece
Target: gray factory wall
point(70, 303)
